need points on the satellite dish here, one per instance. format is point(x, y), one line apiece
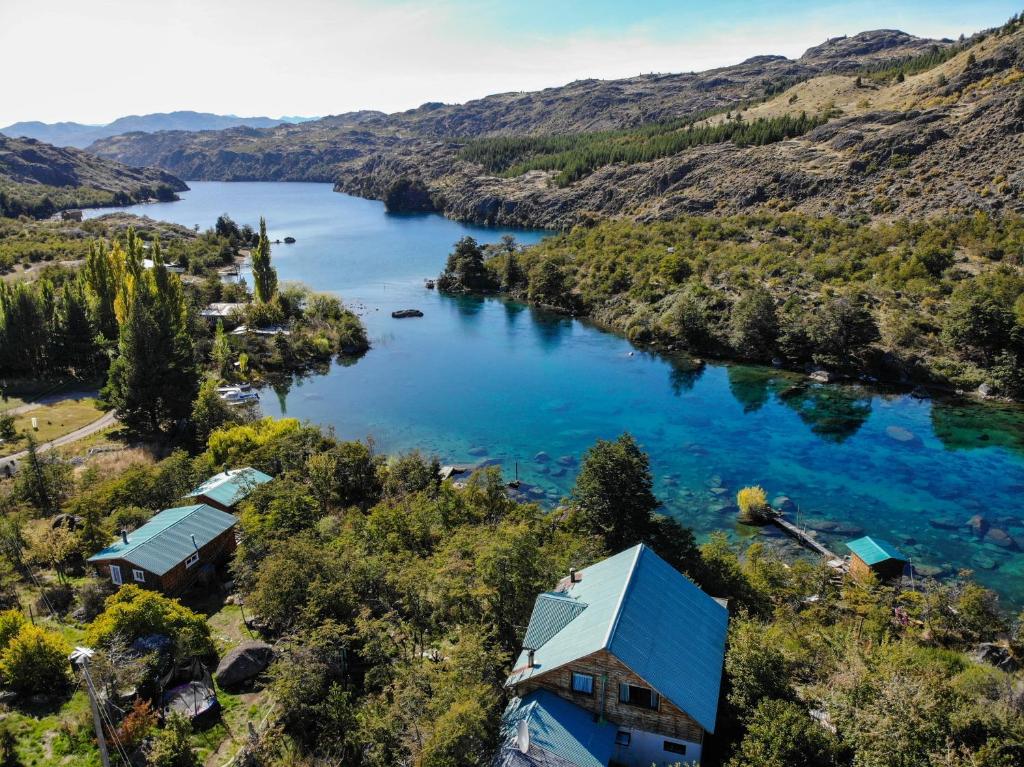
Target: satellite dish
point(523, 736)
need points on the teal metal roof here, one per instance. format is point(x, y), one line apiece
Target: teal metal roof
point(166, 539)
point(647, 614)
point(561, 733)
point(552, 612)
point(874, 550)
point(230, 487)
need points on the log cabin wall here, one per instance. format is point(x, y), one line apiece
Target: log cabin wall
point(668, 720)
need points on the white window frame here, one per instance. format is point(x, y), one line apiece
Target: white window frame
point(139, 575)
point(191, 560)
point(589, 682)
point(115, 575)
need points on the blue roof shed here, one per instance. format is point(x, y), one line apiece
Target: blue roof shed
point(228, 488)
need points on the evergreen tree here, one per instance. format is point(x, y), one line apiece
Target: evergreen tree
point(153, 379)
point(465, 272)
point(263, 274)
point(614, 492)
point(101, 290)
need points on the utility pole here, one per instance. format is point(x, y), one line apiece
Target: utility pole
point(80, 658)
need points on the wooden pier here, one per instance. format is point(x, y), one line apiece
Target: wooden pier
point(807, 540)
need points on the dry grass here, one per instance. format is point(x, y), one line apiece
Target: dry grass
point(53, 421)
point(840, 92)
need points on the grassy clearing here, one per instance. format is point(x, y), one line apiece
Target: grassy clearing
point(53, 421)
point(219, 743)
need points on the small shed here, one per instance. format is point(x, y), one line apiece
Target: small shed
point(226, 490)
point(221, 310)
point(877, 556)
point(171, 550)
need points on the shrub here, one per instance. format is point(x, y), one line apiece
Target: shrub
point(11, 622)
point(137, 724)
point(753, 503)
point(172, 746)
point(782, 734)
point(35, 661)
point(133, 612)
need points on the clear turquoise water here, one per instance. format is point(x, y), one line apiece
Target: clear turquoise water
point(480, 380)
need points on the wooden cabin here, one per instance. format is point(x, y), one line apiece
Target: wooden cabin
point(171, 551)
point(874, 555)
point(226, 490)
point(623, 663)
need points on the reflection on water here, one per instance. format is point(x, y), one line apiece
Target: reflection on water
point(834, 412)
point(484, 380)
point(751, 386)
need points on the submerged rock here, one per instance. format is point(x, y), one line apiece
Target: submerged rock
point(978, 525)
point(900, 434)
point(1001, 538)
point(542, 457)
point(477, 451)
point(785, 504)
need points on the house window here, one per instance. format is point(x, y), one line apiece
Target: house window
point(139, 576)
point(622, 738)
point(642, 697)
point(583, 683)
point(674, 748)
point(192, 560)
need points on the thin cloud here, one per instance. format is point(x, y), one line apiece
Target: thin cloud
point(94, 61)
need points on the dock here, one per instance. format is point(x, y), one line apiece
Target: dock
point(807, 540)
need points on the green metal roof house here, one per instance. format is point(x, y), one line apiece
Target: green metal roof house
point(877, 556)
point(225, 490)
point(170, 550)
point(630, 641)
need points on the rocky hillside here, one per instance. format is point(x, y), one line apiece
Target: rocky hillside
point(910, 126)
point(38, 179)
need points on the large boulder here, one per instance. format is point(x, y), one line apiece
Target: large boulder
point(243, 664)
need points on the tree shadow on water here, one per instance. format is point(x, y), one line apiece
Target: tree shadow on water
point(834, 413)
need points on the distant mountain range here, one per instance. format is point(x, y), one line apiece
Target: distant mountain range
point(881, 123)
point(80, 135)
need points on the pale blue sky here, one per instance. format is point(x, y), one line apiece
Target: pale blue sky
point(94, 60)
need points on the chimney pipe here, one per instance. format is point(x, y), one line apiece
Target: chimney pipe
point(529, 658)
point(124, 536)
point(572, 575)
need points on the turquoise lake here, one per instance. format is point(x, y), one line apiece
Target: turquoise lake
point(485, 380)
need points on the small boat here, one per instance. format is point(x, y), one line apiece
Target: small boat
point(402, 314)
point(239, 396)
point(428, 284)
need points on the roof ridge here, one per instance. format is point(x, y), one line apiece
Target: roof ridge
point(622, 598)
point(195, 507)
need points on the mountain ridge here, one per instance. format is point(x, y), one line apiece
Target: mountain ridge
point(80, 135)
point(412, 159)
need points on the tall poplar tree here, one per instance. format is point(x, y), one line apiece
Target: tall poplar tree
point(153, 379)
point(263, 274)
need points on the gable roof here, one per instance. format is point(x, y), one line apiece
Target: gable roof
point(230, 487)
point(561, 734)
point(649, 616)
point(166, 539)
point(874, 550)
